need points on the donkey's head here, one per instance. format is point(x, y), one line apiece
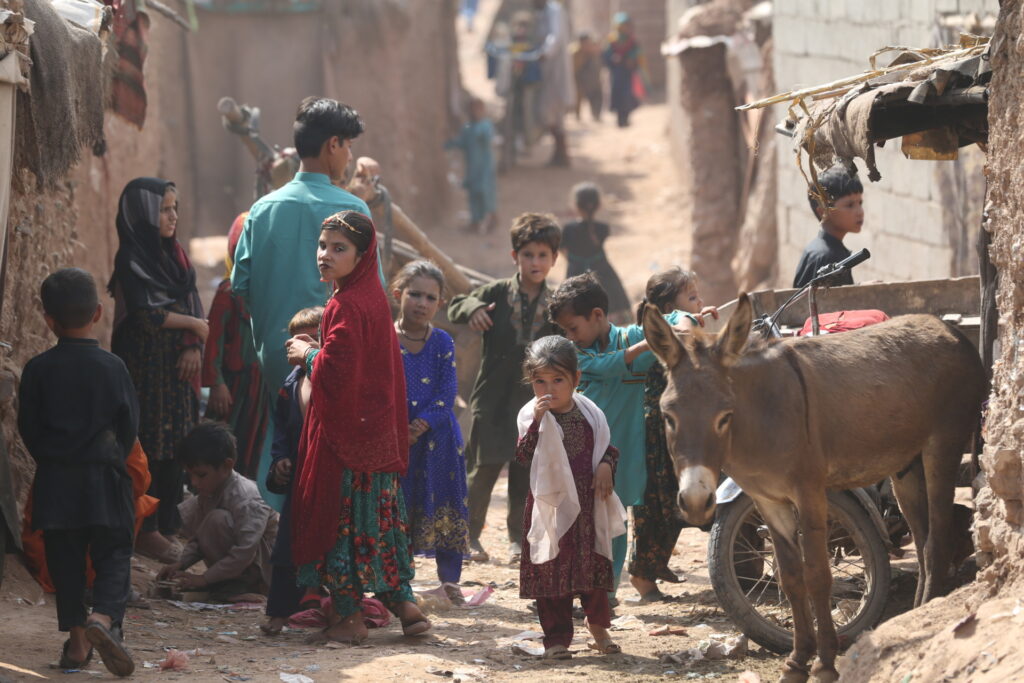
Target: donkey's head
point(698, 402)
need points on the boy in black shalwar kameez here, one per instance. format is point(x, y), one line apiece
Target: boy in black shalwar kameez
point(78, 417)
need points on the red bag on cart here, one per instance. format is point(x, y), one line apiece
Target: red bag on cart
point(844, 321)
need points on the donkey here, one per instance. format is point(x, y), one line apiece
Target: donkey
point(791, 419)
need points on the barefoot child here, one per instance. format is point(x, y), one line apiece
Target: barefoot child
point(657, 522)
point(349, 528)
point(78, 417)
point(510, 313)
point(614, 362)
point(572, 512)
point(228, 525)
point(435, 485)
point(289, 410)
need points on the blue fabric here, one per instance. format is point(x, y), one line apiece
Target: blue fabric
point(476, 140)
point(287, 421)
point(435, 483)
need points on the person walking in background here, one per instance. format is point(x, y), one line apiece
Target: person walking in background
point(583, 244)
point(232, 370)
point(159, 330)
point(435, 485)
point(476, 141)
point(625, 65)
point(557, 90)
point(586, 69)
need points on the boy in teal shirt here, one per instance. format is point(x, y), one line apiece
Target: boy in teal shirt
point(613, 362)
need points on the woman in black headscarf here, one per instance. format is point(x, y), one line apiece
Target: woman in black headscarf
point(159, 330)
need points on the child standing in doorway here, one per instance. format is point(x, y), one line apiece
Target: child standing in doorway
point(583, 244)
point(572, 512)
point(435, 484)
point(657, 521)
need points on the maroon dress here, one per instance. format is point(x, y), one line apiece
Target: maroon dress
point(577, 568)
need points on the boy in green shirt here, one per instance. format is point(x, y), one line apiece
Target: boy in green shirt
point(510, 313)
point(613, 362)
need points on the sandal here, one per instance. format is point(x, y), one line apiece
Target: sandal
point(111, 648)
point(605, 647)
point(454, 594)
point(66, 663)
point(416, 628)
point(557, 652)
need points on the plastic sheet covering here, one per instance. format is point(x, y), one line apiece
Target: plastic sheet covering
point(85, 13)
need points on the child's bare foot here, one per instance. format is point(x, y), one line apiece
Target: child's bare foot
point(414, 623)
point(603, 642)
point(155, 545)
point(77, 650)
point(274, 626)
point(648, 590)
point(349, 630)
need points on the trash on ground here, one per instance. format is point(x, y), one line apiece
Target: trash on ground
point(528, 649)
point(480, 597)
point(625, 622)
point(176, 660)
point(295, 678)
point(668, 630)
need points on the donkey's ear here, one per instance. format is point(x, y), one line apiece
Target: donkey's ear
point(731, 341)
point(661, 338)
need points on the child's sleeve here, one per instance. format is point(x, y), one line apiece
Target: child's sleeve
point(463, 306)
point(442, 402)
point(280, 447)
point(527, 444)
point(611, 456)
point(128, 415)
point(250, 523)
point(29, 422)
point(612, 364)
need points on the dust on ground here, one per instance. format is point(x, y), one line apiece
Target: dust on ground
point(471, 643)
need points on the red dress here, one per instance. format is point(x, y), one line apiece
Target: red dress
point(577, 568)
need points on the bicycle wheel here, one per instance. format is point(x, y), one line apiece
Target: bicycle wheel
point(744, 575)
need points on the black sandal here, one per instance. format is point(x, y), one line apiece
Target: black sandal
point(66, 663)
point(111, 648)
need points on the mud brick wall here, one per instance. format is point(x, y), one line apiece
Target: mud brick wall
point(921, 219)
point(1000, 501)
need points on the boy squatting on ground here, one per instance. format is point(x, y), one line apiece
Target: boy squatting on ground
point(227, 523)
point(613, 363)
point(78, 416)
point(843, 215)
point(511, 313)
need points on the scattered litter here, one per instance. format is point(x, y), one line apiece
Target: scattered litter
point(506, 586)
point(228, 639)
point(313, 668)
point(175, 661)
point(237, 677)
point(203, 628)
point(528, 635)
point(711, 649)
point(480, 597)
point(479, 661)
point(433, 601)
point(196, 606)
point(228, 633)
point(200, 652)
point(148, 665)
point(528, 649)
point(161, 624)
point(964, 623)
point(626, 622)
point(668, 630)
point(437, 671)
point(295, 678)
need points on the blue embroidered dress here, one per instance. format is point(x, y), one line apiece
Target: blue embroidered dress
point(435, 484)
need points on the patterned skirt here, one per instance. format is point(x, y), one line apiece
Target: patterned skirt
point(372, 553)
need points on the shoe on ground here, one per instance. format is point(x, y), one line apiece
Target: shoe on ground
point(515, 552)
point(477, 552)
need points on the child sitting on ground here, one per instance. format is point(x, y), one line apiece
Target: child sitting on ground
point(435, 484)
point(583, 244)
point(228, 525)
point(843, 215)
point(572, 512)
point(289, 410)
point(510, 313)
point(78, 417)
point(614, 362)
point(657, 521)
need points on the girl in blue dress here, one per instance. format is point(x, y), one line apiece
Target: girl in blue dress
point(435, 484)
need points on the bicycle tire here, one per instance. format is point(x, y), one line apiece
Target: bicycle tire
point(735, 601)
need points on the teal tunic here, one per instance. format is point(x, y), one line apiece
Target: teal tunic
point(276, 276)
point(618, 389)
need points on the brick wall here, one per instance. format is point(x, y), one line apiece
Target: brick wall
point(921, 217)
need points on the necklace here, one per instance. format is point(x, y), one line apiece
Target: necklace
point(401, 331)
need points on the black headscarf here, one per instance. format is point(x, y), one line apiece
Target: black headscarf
point(149, 271)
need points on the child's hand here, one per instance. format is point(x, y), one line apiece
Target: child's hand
point(200, 328)
point(420, 426)
point(603, 481)
point(282, 472)
point(481, 319)
point(297, 348)
point(190, 582)
point(168, 571)
point(220, 401)
point(707, 310)
point(542, 406)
